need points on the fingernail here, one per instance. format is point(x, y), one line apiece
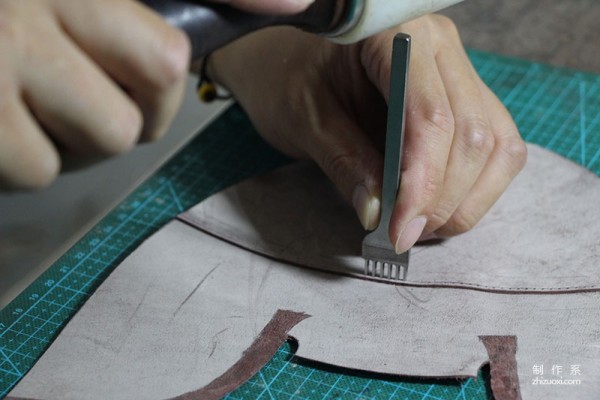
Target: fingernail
point(411, 234)
point(367, 207)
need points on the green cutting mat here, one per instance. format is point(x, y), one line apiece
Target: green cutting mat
point(556, 108)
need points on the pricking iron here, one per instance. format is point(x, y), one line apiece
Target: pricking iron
point(380, 257)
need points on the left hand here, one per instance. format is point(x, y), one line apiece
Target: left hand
point(314, 99)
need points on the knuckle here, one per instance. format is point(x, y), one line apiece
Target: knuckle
point(122, 133)
point(461, 221)
point(375, 60)
point(337, 164)
point(440, 216)
point(340, 165)
point(438, 116)
point(516, 151)
point(445, 26)
point(477, 137)
point(46, 171)
point(173, 60)
point(434, 117)
point(39, 171)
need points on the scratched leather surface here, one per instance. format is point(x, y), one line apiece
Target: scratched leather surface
point(184, 306)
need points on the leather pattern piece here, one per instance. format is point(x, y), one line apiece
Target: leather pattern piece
point(541, 236)
point(185, 306)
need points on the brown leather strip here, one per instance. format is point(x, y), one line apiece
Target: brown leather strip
point(260, 352)
point(503, 366)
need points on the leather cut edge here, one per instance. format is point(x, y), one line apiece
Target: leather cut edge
point(260, 352)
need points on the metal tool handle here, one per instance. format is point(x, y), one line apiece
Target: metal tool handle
point(394, 138)
point(380, 255)
point(211, 26)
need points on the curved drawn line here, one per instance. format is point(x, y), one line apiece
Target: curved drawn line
point(426, 284)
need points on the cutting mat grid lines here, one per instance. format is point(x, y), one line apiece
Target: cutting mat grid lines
point(283, 378)
point(556, 108)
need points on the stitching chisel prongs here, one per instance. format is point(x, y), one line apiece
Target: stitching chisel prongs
point(380, 256)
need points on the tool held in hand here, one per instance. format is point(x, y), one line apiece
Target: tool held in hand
point(211, 26)
point(380, 257)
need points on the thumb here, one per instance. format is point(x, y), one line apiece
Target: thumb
point(269, 6)
point(351, 161)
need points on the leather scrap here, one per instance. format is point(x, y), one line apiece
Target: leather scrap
point(503, 366)
point(253, 359)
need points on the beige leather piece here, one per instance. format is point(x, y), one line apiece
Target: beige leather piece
point(543, 235)
point(184, 306)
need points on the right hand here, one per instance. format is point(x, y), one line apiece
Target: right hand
point(314, 99)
